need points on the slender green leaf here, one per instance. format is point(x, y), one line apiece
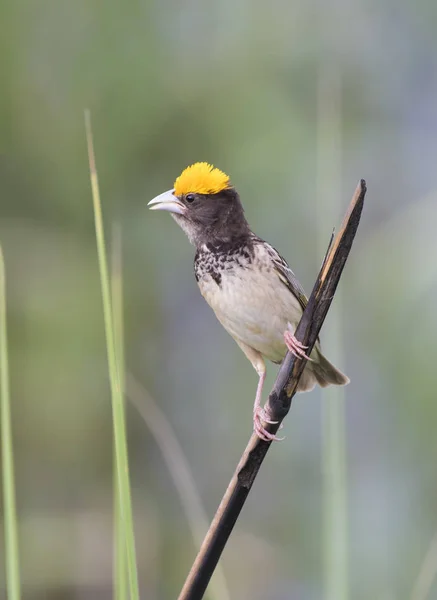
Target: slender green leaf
point(120, 566)
point(10, 513)
point(118, 413)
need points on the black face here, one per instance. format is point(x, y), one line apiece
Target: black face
point(217, 218)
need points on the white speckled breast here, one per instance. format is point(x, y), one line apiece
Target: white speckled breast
point(248, 297)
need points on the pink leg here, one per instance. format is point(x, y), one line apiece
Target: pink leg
point(295, 347)
point(260, 414)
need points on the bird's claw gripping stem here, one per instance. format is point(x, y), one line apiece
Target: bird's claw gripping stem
point(260, 414)
point(294, 346)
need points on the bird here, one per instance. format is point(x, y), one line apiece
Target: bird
point(250, 287)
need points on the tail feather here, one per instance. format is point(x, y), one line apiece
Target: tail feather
point(320, 371)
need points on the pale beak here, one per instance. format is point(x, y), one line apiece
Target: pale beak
point(169, 202)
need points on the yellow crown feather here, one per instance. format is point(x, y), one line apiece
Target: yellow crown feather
point(201, 178)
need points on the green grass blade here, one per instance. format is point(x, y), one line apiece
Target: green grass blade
point(334, 432)
point(118, 415)
point(120, 567)
point(10, 513)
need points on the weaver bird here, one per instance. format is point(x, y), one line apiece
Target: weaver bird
point(250, 287)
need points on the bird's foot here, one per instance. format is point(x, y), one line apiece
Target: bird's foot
point(295, 347)
point(260, 414)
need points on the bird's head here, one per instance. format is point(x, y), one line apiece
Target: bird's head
point(205, 205)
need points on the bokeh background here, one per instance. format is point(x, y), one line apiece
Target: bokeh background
point(296, 101)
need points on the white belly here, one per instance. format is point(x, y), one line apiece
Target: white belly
point(253, 309)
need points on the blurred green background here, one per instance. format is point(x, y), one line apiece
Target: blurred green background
point(296, 102)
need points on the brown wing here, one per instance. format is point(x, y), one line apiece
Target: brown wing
point(287, 276)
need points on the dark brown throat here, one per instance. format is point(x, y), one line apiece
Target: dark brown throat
point(222, 222)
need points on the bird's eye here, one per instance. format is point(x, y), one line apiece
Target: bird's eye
point(190, 198)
